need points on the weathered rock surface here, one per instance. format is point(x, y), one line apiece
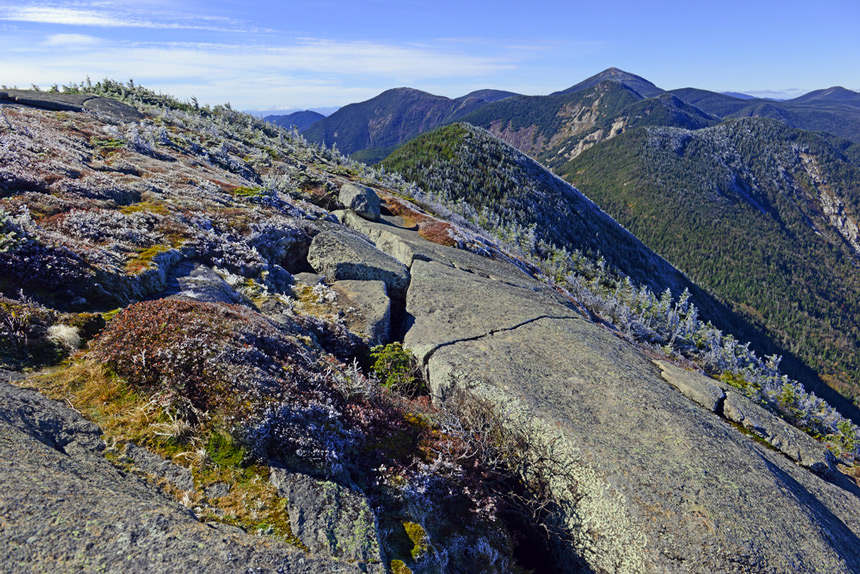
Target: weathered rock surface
point(63, 504)
point(790, 441)
point(406, 246)
point(360, 199)
point(646, 481)
point(367, 308)
point(331, 519)
point(698, 388)
point(71, 103)
point(341, 255)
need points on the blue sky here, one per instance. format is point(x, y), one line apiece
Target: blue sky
point(300, 54)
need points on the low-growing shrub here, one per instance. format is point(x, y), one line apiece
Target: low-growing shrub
point(398, 369)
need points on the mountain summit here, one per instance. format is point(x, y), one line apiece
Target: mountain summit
point(632, 81)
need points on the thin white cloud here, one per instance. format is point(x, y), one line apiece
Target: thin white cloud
point(72, 40)
point(103, 19)
point(785, 94)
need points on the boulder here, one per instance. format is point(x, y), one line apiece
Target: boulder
point(331, 519)
point(340, 255)
point(366, 309)
point(113, 108)
point(360, 199)
point(65, 508)
point(72, 103)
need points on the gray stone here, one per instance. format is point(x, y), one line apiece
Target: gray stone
point(406, 246)
point(340, 255)
point(360, 199)
point(697, 387)
point(7, 376)
point(644, 479)
point(451, 305)
point(331, 519)
point(113, 108)
point(65, 508)
point(366, 309)
point(152, 464)
point(792, 442)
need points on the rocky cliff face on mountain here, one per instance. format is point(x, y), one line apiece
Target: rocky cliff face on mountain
point(199, 293)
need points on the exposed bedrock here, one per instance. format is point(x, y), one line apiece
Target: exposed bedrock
point(647, 479)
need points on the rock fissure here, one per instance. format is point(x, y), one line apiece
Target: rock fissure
point(429, 354)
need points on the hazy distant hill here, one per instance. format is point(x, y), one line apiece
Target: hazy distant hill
point(302, 120)
point(391, 118)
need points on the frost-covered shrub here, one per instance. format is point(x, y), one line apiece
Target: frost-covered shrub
point(32, 265)
point(280, 241)
point(139, 137)
point(230, 252)
point(135, 229)
point(309, 437)
point(207, 355)
point(11, 230)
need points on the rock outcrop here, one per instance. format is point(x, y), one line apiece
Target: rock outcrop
point(64, 507)
point(718, 398)
point(341, 255)
point(367, 308)
point(646, 480)
point(71, 103)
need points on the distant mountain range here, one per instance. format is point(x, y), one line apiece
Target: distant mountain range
point(571, 120)
point(735, 191)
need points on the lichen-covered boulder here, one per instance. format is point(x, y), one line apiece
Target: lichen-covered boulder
point(342, 255)
point(361, 199)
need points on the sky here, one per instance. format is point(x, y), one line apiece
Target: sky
point(297, 54)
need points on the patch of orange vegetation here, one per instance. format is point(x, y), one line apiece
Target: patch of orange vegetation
point(429, 227)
